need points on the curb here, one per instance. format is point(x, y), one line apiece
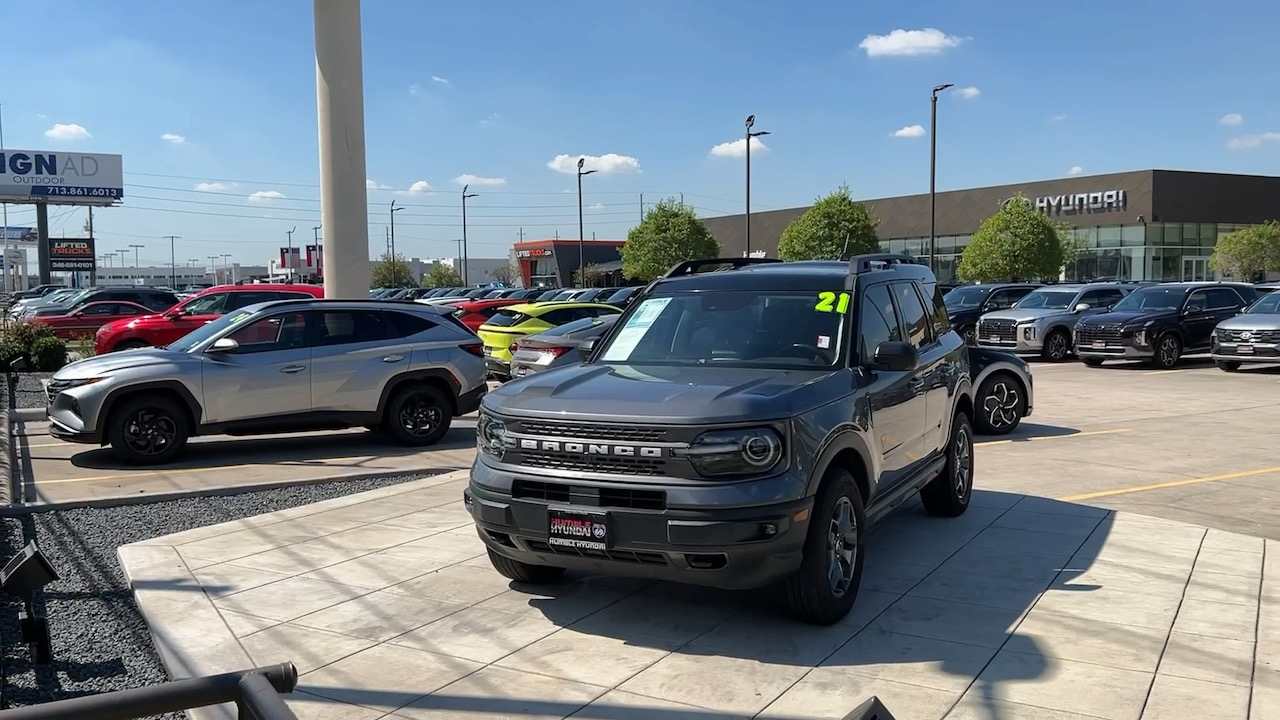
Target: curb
point(17, 509)
point(28, 414)
point(8, 477)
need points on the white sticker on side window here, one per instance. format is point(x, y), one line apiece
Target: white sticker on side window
point(824, 342)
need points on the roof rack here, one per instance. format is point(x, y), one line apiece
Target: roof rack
point(689, 267)
point(859, 264)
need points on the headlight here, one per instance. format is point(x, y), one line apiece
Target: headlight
point(491, 436)
point(749, 451)
point(1028, 332)
point(78, 382)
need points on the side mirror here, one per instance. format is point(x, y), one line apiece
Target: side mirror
point(584, 350)
point(896, 356)
point(1194, 309)
point(1083, 307)
point(223, 345)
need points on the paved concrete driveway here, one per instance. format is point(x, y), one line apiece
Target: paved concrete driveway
point(1023, 608)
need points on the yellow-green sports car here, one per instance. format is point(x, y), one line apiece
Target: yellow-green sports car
point(514, 322)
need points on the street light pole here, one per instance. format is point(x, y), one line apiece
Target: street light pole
point(395, 269)
point(465, 195)
point(751, 121)
point(213, 267)
point(319, 249)
point(226, 268)
point(288, 258)
point(933, 176)
point(135, 254)
point(173, 262)
point(582, 266)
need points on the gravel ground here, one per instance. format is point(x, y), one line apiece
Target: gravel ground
point(100, 641)
point(30, 393)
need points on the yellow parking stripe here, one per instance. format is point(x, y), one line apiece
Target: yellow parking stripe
point(1171, 484)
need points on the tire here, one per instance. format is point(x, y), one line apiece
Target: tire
point(948, 494)
point(132, 345)
point(838, 520)
point(1092, 362)
point(1057, 346)
point(524, 572)
point(1168, 352)
point(418, 415)
point(969, 334)
point(148, 430)
point(1001, 402)
point(1227, 365)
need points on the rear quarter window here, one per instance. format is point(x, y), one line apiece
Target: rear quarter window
point(506, 318)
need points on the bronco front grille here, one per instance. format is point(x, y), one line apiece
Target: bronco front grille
point(592, 463)
point(1108, 333)
point(996, 329)
point(591, 496)
point(1257, 336)
point(591, 431)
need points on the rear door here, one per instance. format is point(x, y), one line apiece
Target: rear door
point(930, 377)
point(269, 375)
point(354, 353)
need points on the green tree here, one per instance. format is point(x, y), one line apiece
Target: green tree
point(835, 228)
point(390, 272)
point(441, 275)
point(669, 233)
point(1017, 243)
point(1248, 253)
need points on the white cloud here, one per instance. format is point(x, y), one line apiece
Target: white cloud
point(415, 89)
point(910, 131)
point(212, 187)
point(902, 43)
point(1058, 118)
point(1232, 119)
point(968, 93)
point(1245, 142)
point(609, 163)
point(67, 131)
point(596, 206)
point(173, 138)
point(42, 116)
point(469, 179)
point(1075, 170)
point(491, 120)
point(421, 187)
point(738, 148)
point(266, 196)
point(375, 185)
point(440, 80)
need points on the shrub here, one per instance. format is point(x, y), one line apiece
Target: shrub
point(48, 353)
point(37, 342)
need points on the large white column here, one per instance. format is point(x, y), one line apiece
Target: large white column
point(344, 208)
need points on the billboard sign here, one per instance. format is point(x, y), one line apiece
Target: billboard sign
point(533, 253)
point(72, 255)
point(62, 178)
point(19, 235)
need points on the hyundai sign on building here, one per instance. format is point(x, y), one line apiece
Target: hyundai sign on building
point(61, 178)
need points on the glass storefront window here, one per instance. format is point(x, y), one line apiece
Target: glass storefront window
point(1109, 237)
point(1190, 235)
point(1087, 238)
point(1133, 236)
point(1172, 235)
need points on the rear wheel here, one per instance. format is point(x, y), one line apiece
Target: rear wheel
point(948, 494)
point(823, 590)
point(524, 572)
point(1057, 346)
point(1227, 365)
point(148, 430)
point(418, 414)
point(1001, 404)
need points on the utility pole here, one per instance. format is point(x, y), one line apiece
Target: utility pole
point(93, 276)
point(751, 121)
point(521, 234)
point(213, 267)
point(173, 263)
point(288, 259)
point(933, 176)
point(641, 207)
point(582, 275)
point(226, 267)
point(465, 195)
point(395, 266)
point(319, 249)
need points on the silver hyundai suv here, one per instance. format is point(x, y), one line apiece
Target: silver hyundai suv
point(274, 367)
point(1042, 321)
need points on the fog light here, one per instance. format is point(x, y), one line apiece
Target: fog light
point(1029, 332)
point(768, 529)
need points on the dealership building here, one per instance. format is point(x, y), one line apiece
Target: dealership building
point(1143, 225)
point(553, 263)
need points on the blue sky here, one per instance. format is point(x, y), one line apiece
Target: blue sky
point(498, 89)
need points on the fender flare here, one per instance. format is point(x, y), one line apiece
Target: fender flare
point(838, 443)
point(423, 375)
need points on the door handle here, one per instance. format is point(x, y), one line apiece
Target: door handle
point(291, 369)
point(392, 358)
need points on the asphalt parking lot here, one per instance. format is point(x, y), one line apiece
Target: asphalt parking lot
point(1194, 444)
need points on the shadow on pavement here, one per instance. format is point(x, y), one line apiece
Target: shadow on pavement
point(1190, 362)
point(297, 449)
point(1030, 431)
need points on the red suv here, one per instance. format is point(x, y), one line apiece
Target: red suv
point(474, 313)
point(205, 306)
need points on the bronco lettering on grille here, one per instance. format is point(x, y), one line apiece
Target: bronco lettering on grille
point(586, 448)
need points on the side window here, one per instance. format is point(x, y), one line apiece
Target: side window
point(1102, 298)
point(914, 318)
point(101, 309)
point(1000, 300)
point(405, 325)
point(1198, 299)
point(345, 327)
point(237, 300)
point(286, 331)
point(211, 304)
point(877, 321)
point(157, 301)
point(938, 313)
point(126, 309)
point(562, 316)
point(1223, 299)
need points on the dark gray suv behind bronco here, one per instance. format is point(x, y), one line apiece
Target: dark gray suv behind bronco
point(735, 428)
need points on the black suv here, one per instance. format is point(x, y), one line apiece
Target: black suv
point(150, 298)
point(967, 303)
point(734, 429)
point(1160, 323)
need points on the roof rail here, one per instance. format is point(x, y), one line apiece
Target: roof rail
point(689, 267)
point(859, 264)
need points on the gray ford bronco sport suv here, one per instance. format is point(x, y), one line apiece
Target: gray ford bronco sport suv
point(735, 428)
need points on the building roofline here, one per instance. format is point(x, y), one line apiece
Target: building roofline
point(552, 242)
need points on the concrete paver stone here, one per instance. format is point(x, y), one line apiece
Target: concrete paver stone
point(1024, 609)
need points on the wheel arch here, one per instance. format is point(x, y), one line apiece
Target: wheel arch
point(849, 452)
point(169, 388)
point(438, 377)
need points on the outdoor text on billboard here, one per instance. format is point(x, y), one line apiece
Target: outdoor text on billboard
point(67, 178)
point(72, 255)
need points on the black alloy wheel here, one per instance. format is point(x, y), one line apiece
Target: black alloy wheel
point(1168, 352)
point(418, 414)
point(1057, 346)
point(148, 430)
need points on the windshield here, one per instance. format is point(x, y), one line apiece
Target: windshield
point(621, 295)
point(1156, 298)
point(965, 297)
point(1048, 300)
point(784, 330)
point(208, 330)
point(506, 318)
point(1268, 305)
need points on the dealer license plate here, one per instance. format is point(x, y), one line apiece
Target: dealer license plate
point(993, 339)
point(577, 529)
point(1099, 343)
point(1244, 349)
point(521, 370)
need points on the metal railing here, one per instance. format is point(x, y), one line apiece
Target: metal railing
point(255, 692)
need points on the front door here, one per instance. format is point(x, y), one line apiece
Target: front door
point(269, 375)
point(898, 410)
point(1195, 269)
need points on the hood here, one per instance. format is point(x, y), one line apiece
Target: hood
point(1023, 315)
point(122, 360)
point(1126, 318)
point(678, 395)
point(1252, 321)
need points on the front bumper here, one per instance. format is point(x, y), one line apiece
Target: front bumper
point(1018, 346)
point(1257, 353)
point(734, 548)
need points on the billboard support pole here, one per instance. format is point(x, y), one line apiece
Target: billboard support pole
point(93, 274)
point(42, 237)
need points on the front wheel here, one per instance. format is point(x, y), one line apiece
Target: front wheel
point(1002, 405)
point(1168, 352)
point(417, 415)
point(1227, 365)
point(823, 590)
point(1057, 346)
point(148, 430)
point(970, 335)
point(948, 494)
